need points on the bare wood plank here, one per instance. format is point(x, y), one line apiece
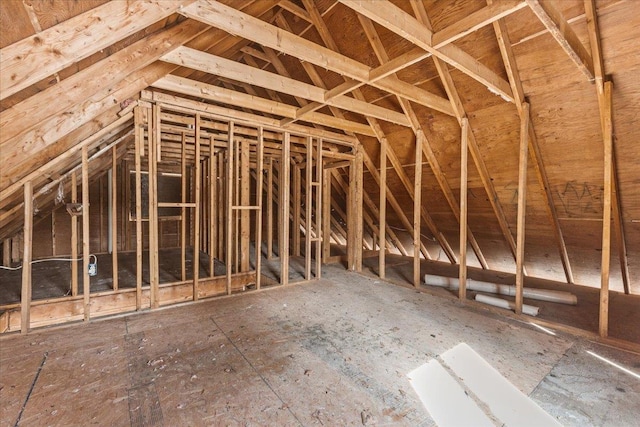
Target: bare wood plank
point(395, 19)
point(183, 210)
point(417, 206)
point(475, 21)
point(86, 284)
point(27, 286)
point(326, 217)
point(270, 208)
point(74, 237)
point(6, 252)
point(319, 208)
point(509, 61)
point(32, 59)
point(308, 206)
point(603, 326)
point(522, 206)
point(245, 200)
point(241, 24)
point(560, 29)
point(259, 183)
point(223, 67)
point(196, 221)
point(464, 151)
point(213, 217)
point(114, 217)
point(295, 233)
point(139, 142)
point(382, 218)
point(598, 65)
point(283, 241)
point(154, 131)
point(229, 205)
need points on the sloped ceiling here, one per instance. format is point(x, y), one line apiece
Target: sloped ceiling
point(401, 71)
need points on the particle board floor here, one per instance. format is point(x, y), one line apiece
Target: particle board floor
point(332, 352)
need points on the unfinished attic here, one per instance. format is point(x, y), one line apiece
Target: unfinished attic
point(478, 160)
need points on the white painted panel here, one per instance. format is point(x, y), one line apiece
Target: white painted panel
point(444, 398)
point(506, 402)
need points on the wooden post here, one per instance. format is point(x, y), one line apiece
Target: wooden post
point(283, 199)
point(229, 206)
point(297, 189)
point(319, 217)
point(74, 237)
point(25, 298)
point(86, 284)
point(606, 212)
point(183, 209)
point(213, 217)
point(260, 165)
point(245, 200)
point(139, 141)
point(196, 225)
point(6, 252)
point(522, 205)
point(326, 217)
point(382, 218)
point(221, 208)
point(114, 217)
point(417, 206)
point(464, 153)
point(308, 205)
point(270, 209)
point(155, 135)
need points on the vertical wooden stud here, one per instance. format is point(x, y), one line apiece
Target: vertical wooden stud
point(245, 201)
point(283, 199)
point(464, 153)
point(86, 284)
point(259, 181)
point(114, 217)
point(383, 208)
point(6, 252)
point(607, 127)
point(155, 135)
point(326, 217)
point(213, 217)
point(270, 209)
point(196, 226)
point(522, 205)
point(319, 217)
point(308, 206)
point(417, 206)
point(74, 237)
point(183, 209)
point(229, 205)
point(297, 189)
point(25, 297)
point(139, 142)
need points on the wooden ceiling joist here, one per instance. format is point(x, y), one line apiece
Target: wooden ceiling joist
point(231, 97)
point(234, 70)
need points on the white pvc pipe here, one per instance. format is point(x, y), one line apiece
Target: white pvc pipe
point(561, 297)
point(498, 302)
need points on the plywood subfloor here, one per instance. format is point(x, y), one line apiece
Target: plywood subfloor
point(331, 352)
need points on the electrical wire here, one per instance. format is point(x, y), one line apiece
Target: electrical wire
point(44, 260)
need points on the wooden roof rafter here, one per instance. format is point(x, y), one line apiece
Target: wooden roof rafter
point(246, 26)
point(427, 151)
point(440, 238)
point(398, 21)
